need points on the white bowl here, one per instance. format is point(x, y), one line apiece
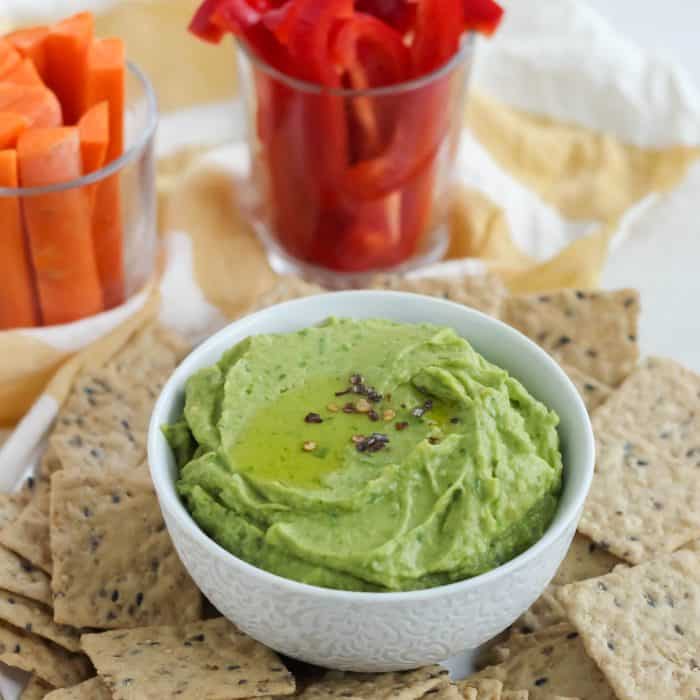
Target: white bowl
point(379, 631)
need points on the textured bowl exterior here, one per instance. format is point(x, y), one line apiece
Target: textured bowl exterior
point(392, 631)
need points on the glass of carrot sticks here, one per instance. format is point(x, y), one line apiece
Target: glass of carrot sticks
point(77, 175)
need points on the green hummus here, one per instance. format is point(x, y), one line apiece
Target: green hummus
point(366, 456)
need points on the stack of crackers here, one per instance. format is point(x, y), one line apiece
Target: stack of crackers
point(95, 603)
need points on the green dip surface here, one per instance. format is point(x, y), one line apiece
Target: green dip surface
point(433, 465)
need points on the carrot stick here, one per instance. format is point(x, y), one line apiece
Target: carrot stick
point(38, 104)
point(31, 43)
point(66, 53)
point(58, 226)
point(17, 302)
point(11, 126)
point(24, 73)
point(106, 80)
point(9, 57)
point(94, 137)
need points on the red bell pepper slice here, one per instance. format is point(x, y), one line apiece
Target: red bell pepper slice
point(482, 16)
point(400, 14)
point(438, 29)
point(202, 25)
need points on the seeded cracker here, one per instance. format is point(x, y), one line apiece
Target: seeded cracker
point(485, 293)
point(37, 618)
point(595, 332)
point(406, 685)
point(550, 662)
point(114, 563)
point(448, 692)
point(94, 689)
point(35, 689)
point(11, 506)
point(468, 693)
point(593, 392)
point(642, 503)
point(48, 661)
point(286, 289)
point(487, 688)
point(515, 695)
point(211, 659)
point(28, 535)
point(660, 402)
point(642, 626)
point(19, 576)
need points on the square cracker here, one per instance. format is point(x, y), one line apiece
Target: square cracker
point(642, 503)
point(595, 332)
point(94, 689)
point(19, 576)
point(446, 692)
point(36, 618)
point(210, 659)
point(28, 535)
point(35, 689)
point(486, 688)
point(515, 695)
point(593, 392)
point(660, 403)
point(11, 505)
point(485, 293)
point(114, 562)
point(468, 693)
point(49, 662)
point(547, 663)
point(402, 685)
point(642, 626)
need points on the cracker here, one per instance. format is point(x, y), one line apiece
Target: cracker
point(94, 689)
point(35, 689)
point(593, 392)
point(11, 505)
point(114, 562)
point(515, 695)
point(19, 576)
point(486, 688)
point(595, 332)
point(642, 626)
point(48, 661)
point(446, 692)
point(485, 293)
point(468, 693)
point(210, 659)
point(659, 402)
point(544, 612)
point(402, 685)
point(29, 534)
point(36, 618)
point(550, 662)
point(642, 503)
point(286, 289)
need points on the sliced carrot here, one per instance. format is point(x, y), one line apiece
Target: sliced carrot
point(106, 80)
point(24, 73)
point(66, 53)
point(58, 226)
point(38, 104)
point(9, 57)
point(31, 43)
point(11, 126)
point(17, 302)
point(94, 137)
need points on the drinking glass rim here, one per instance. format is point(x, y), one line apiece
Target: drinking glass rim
point(465, 50)
point(116, 165)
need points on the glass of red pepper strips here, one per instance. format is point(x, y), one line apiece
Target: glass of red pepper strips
point(355, 112)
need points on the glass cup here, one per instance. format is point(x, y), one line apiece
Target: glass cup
point(76, 248)
point(349, 182)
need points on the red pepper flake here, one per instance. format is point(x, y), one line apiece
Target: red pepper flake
point(313, 418)
point(401, 425)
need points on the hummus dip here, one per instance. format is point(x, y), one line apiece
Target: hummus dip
point(366, 456)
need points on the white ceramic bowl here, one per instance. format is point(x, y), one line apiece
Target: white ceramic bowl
point(379, 631)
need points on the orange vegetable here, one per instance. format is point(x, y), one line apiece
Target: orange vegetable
point(38, 104)
point(94, 137)
point(24, 73)
point(9, 57)
point(17, 302)
point(11, 126)
point(106, 80)
point(66, 54)
point(31, 43)
point(58, 226)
